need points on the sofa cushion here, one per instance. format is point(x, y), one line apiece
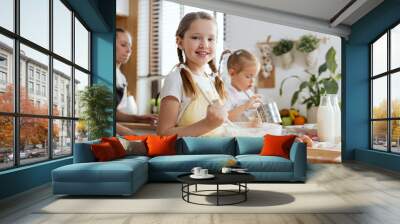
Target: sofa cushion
point(206, 145)
point(249, 145)
point(185, 163)
point(112, 171)
point(116, 145)
point(161, 145)
point(277, 145)
point(134, 147)
point(257, 163)
point(103, 152)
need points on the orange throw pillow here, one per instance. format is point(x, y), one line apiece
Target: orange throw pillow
point(161, 145)
point(116, 145)
point(103, 152)
point(277, 145)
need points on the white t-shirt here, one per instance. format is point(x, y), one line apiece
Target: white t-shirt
point(173, 87)
point(237, 98)
point(127, 104)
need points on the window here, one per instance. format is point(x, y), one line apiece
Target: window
point(3, 78)
point(37, 89)
point(385, 97)
point(3, 61)
point(3, 72)
point(30, 72)
point(30, 87)
point(45, 131)
point(43, 77)
point(43, 90)
point(37, 74)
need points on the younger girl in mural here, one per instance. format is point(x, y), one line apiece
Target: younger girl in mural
point(192, 97)
point(243, 68)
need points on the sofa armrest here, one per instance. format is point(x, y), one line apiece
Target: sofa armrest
point(298, 155)
point(83, 152)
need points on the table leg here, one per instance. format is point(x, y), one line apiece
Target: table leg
point(245, 191)
point(217, 194)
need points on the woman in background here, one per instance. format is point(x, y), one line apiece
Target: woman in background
point(126, 106)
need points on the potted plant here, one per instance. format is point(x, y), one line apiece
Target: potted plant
point(316, 85)
point(283, 49)
point(308, 45)
point(96, 103)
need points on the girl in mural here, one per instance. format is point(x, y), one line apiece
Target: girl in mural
point(243, 68)
point(126, 105)
point(192, 97)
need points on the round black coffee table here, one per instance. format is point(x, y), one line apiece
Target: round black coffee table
point(238, 179)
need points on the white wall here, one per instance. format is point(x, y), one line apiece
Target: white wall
point(245, 33)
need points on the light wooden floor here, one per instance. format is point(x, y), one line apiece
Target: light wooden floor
point(379, 189)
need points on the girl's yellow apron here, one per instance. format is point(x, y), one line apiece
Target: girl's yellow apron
point(196, 110)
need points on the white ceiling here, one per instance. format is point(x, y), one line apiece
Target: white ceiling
point(312, 15)
point(320, 9)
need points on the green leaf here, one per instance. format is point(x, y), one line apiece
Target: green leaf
point(322, 68)
point(331, 86)
point(294, 97)
point(307, 100)
point(303, 85)
point(330, 60)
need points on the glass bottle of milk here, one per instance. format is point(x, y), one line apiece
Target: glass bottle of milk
point(325, 120)
point(337, 117)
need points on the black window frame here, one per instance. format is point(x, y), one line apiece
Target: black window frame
point(388, 74)
point(16, 115)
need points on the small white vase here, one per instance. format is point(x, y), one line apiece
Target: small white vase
point(312, 115)
point(287, 59)
point(311, 58)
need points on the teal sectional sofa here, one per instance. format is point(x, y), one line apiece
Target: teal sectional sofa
point(125, 176)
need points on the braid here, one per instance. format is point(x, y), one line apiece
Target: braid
point(188, 84)
point(219, 84)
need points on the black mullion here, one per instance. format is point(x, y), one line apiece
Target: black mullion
point(389, 101)
point(371, 89)
point(8, 33)
point(73, 81)
point(89, 54)
point(388, 72)
point(84, 70)
point(384, 119)
point(50, 87)
point(16, 83)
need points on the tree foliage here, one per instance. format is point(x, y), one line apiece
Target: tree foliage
point(33, 131)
